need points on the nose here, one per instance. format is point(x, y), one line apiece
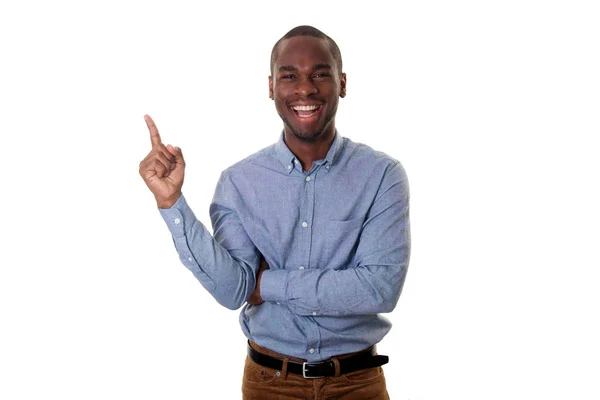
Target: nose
point(305, 87)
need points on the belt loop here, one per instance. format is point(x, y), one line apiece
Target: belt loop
point(336, 365)
point(284, 368)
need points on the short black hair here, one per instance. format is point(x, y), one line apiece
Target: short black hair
point(306, 30)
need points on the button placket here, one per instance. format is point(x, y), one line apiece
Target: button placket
point(313, 334)
point(309, 190)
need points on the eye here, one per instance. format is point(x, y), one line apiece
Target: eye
point(322, 75)
point(288, 76)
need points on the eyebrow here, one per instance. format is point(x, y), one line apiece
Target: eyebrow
point(321, 66)
point(292, 68)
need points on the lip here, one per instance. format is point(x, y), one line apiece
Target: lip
point(304, 115)
point(303, 103)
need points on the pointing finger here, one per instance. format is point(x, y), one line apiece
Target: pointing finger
point(154, 136)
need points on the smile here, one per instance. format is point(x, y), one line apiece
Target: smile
point(305, 111)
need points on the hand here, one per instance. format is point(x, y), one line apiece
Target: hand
point(255, 298)
point(162, 169)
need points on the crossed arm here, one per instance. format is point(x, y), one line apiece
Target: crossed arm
point(372, 284)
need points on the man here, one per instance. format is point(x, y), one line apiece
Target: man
point(312, 233)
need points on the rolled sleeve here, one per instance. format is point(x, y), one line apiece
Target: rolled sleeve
point(273, 285)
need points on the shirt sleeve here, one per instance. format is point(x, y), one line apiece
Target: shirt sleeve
point(374, 282)
point(225, 264)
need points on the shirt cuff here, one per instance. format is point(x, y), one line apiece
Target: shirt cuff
point(178, 217)
point(273, 285)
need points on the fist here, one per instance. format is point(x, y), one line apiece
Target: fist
point(162, 169)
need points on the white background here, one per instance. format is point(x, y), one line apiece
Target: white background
point(492, 107)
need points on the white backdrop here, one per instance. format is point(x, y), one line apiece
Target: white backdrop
point(492, 107)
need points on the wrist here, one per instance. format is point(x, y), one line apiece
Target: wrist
point(168, 202)
point(258, 278)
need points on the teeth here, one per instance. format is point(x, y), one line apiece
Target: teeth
point(305, 108)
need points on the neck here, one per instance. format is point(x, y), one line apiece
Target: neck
point(309, 151)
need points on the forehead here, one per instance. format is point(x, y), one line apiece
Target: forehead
point(304, 51)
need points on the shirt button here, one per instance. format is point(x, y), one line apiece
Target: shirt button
point(314, 313)
point(327, 166)
point(311, 351)
point(177, 220)
point(289, 167)
point(304, 224)
point(301, 267)
point(189, 258)
point(308, 179)
point(296, 161)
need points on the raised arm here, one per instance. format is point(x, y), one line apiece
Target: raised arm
point(229, 275)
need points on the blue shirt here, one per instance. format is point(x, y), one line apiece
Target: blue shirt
point(336, 238)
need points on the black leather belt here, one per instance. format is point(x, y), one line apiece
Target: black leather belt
point(363, 360)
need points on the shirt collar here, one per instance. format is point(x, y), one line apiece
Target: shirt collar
point(334, 150)
point(287, 158)
point(284, 154)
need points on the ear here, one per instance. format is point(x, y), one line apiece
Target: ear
point(271, 87)
point(343, 85)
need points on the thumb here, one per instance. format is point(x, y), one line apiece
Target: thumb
point(176, 152)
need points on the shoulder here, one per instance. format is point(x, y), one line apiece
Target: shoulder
point(378, 167)
point(263, 165)
point(359, 154)
point(384, 172)
point(264, 158)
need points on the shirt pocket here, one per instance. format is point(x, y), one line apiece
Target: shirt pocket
point(341, 241)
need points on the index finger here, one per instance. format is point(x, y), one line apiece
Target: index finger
point(154, 136)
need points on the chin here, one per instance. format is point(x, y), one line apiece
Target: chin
point(306, 134)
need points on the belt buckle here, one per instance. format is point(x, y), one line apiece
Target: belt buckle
point(304, 370)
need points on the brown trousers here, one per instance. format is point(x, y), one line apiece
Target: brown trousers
point(261, 383)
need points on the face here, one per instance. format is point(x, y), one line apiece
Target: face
point(306, 86)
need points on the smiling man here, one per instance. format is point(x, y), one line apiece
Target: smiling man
point(311, 234)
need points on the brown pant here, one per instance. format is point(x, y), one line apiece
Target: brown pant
point(261, 383)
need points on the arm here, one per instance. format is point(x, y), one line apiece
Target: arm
point(374, 282)
point(228, 274)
